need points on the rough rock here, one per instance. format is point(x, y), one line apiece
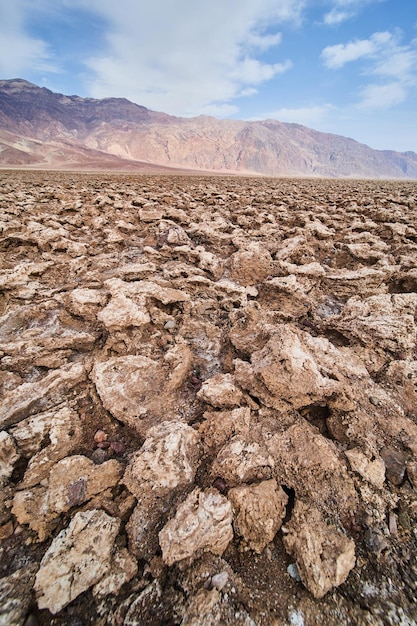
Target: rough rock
point(135, 390)
point(310, 464)
point(8, 456)
point(63, 429)
point(371, 467)
point(30, 398)
point(122, 569)
point(166, 464)
point(278, 348)
point(219, 426)
point(77, 559)
point(122, 312)
point(75, 480)
point(412, 473)
point(395, 464)
point(128, 387)
point(383, 321)
point(220, 391)
point(251, 266)
point(345, 283)
point(86, 302)
point(258, 512)
point(241, 462)
point(167, 460)
point(31, 507)
point(203, 522)
point(144, 524)
point(148, 289)
point(287, 370)
point(324, 556)
point(209, 608)
point(16, 596)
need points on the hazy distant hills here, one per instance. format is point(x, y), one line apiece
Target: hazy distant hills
point(39, 128)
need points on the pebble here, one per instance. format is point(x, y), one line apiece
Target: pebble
point(292, 569)
point(219, 581)
point(99, 456)
point(100, 436)
point(395, 464)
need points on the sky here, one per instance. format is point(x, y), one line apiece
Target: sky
point(340, 66)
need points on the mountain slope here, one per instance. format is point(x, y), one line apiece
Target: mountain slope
point(39, 127)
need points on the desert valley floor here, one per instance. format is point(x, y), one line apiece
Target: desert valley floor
point(209, 401)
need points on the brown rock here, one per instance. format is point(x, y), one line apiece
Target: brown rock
point(220, 391)
point(202, 523)
point(86, 302)
point(16, 596)
point(144, 525)
point(258, 512)
point(128, 387)
point(412, 473)
point(167, 460)
point(395, 464)
point(64, 429)
point(289, 370)
point(122, 312)
point(30, 398)
point(252, 265)
point(370, 467)
point(219, 426)
point(323, 555)
point(240, 461)
point(383, 321)
point(76, 479)
point(122, 569)
point(77, 559)
point(309, 463)
point(8, 456)
point(31, 507)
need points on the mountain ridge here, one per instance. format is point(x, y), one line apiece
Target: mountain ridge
point(115, 133)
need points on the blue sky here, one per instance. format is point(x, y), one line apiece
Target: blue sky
point(342, 66)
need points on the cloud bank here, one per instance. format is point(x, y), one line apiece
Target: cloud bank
point(394, 65)
point(212, 55)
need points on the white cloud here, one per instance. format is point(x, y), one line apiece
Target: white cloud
point(382, 56)
point(342, 10)
point(18, 50)
point(185, 57)
point(335, 16)
point(336, 56)
point(383, 96)
point(308, 116)
point(401, 61)
point(263, 42)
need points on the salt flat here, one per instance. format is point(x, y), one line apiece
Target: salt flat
point(208, 400)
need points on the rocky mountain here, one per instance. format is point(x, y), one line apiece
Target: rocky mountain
point(40, 128)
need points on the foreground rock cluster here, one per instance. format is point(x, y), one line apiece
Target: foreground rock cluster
point(208, 406)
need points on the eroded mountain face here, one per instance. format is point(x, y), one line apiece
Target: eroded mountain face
point(209, 396)
point(47, 130)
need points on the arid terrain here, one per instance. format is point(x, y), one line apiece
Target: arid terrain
point(208, 406)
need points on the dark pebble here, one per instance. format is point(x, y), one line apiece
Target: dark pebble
point(375, 541)
point(99, 456)
point(395, 464)
point(118, 447)
point(220, 484)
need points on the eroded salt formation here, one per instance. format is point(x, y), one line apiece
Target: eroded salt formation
point(208, 401)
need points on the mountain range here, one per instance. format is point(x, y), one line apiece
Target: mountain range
point(43, 129)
